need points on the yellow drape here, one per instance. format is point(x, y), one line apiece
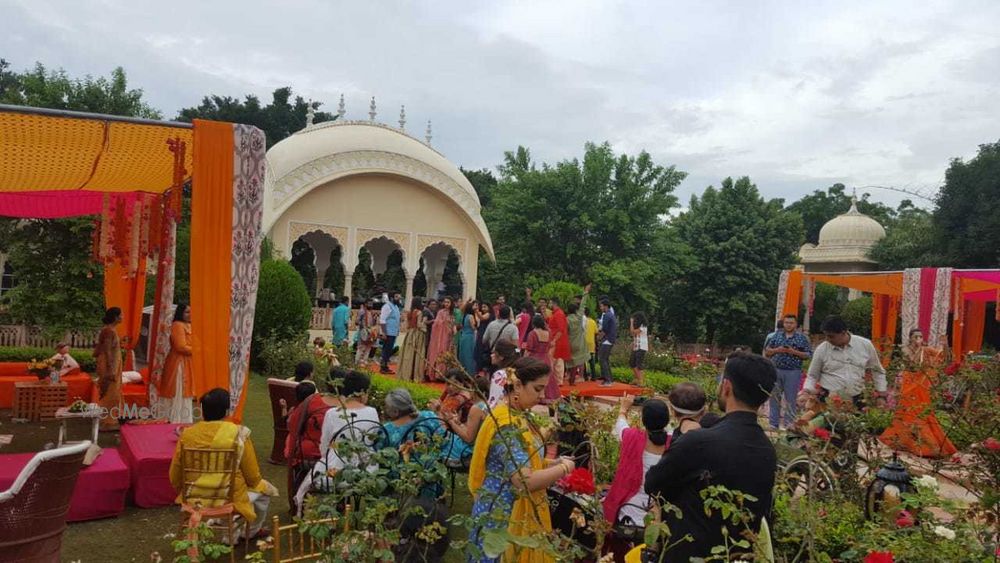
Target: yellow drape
point(530, 513)
point(211, 253)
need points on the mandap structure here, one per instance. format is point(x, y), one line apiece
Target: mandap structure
point(924, 298)
point(130, 173)
point(363, 190)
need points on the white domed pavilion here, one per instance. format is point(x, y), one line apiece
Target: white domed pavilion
point(363, 184)
point(844, 243)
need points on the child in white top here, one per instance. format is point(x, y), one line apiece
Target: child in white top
point(640, 345)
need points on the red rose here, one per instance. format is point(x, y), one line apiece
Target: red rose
point(822, 434)
point(879, 557)
point(905, 520)
point(992, 444)
point(978, 366)
point(580, 481)
point(956, 459)
point(952, 369)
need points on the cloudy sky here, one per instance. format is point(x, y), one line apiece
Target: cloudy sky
point(798, 95)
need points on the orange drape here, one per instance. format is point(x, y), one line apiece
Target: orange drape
point(885, 316)
point(127, 293)
point(793, 295)
point(211, 253)
point(967, 329)
point(883, 284)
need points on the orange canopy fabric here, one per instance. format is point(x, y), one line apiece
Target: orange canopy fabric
point(211, 253)
point(890, 283)
point(40, 152)
point(127, 293)
point(793, 295)
point(967, 328)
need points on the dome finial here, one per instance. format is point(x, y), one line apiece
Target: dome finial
point(854, 202)
point(427, 135)
point(371, 110)
point(402, 118)
point(310, 114)
point(341, 108)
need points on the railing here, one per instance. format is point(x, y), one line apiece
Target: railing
point(322, 318)
point(20, 335)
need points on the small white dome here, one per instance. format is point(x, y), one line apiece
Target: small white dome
point(851, 229)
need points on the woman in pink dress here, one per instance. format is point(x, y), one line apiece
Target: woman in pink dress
point(442, 339)
point(537, 345)
point(524, 322)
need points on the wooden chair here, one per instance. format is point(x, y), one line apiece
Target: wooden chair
point(282, 394)
point(211, 504)
point(33, 510)
point(291, 544)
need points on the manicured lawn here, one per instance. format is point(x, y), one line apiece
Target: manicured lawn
point(138, 532)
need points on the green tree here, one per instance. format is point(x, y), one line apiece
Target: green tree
point(278, 119)
point(821, 206)
point(741, 242)
point(969, 228)
point(44, 88)
point(911, 242)
point(599, 217)
point(59, 286)
point(303, 259)
point(483, 181)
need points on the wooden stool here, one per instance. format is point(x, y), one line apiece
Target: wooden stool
point(35, 401)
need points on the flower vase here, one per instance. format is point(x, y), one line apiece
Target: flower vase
point(53, 377)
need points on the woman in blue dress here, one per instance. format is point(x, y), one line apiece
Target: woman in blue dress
point(509, 474)
point(406, 424)
point(467, 338)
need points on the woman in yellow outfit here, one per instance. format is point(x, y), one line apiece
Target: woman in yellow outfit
point(509, 475)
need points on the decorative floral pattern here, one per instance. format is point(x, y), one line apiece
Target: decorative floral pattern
point(248, 207)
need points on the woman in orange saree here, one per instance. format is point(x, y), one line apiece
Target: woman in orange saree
point(914, 427)
point(108, 357)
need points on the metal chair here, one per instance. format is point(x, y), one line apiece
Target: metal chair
point(210, 504)
point(33, 510)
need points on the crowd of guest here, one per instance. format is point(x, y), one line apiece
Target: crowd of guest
point(504, 365)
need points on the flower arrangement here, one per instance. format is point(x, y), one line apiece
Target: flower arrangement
point(43, 369)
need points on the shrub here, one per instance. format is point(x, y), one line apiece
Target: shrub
point(277, 357)
point(381, 385)
point(284, 309)
point(563, 291)
point(858, 316)
point(27, 353)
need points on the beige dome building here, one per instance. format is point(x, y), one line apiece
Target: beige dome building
point(363, 184)
point(844, 243)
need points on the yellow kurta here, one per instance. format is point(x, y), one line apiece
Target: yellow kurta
point(248, 478)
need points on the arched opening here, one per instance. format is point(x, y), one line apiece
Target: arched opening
point(318, 258)
point(380, 265)
point(440, 272)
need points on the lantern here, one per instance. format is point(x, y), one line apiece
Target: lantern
point(885, 492)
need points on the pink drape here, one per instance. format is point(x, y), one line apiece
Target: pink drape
point(55, 204)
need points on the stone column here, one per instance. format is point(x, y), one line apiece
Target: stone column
point(409, 292)
point(348, 276)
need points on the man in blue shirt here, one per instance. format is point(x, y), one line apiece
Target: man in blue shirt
point(786, 348)
point(341, 319)
point(606, 337)
point(389, 319)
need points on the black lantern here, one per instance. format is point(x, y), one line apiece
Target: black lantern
point(885, 492)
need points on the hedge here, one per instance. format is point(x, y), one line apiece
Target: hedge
point(28, 353)
point(381, 385)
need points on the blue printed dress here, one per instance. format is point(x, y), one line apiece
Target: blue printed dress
point(495, 499)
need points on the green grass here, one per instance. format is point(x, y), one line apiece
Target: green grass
point(138, 532)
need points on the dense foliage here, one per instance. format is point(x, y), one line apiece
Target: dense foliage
point(284, 308)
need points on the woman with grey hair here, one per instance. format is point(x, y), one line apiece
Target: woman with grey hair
point(402, 415)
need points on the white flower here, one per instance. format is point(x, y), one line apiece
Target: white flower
point(927, 482)
point(944, 532)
